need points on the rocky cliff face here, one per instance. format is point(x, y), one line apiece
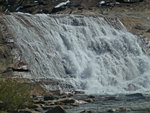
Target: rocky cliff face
point(5, 57)
point(28, 6)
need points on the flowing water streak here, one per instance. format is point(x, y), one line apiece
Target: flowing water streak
point(86, 52)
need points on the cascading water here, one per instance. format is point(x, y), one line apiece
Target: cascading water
point(86, 52)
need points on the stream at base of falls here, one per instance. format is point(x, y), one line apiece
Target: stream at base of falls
point(131, 103)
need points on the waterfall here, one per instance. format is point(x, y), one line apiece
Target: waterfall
point(87, 52)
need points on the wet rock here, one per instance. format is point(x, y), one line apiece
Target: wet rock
point(63, 96)
point(39, 109)
point(91, 111)
point(110, 98)
point(68, 101)
point(39, 102)
point(135, 96)
point(112, 110)
point(79, 92)
point(56, 92)
point(148, 31)
point(44, 107)
point(57, 109)
point(37, 98)
point(55, 10)
point(5, 57)
point(132, 1)
point(119, 110)
point(140, 27)
point(69, 95)
point(49, 97)
point(34, 106)
point(20, 67)
point(28, 111)
point(65, 101)
point(88, 100)
point(91, 96)
point(79, 102)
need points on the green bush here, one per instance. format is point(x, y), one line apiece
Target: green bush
point(14, 95)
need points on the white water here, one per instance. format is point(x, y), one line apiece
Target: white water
point(85, 52)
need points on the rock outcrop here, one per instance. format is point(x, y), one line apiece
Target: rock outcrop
point(48, 6)
point(57, 109)
point(5, 57)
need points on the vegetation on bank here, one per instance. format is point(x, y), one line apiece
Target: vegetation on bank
point(15, 95)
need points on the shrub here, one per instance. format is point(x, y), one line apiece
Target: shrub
point(14, 95)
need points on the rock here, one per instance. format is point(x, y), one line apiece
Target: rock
point(5, 56)
point(39, 102)
point(119, 110)
point(88, 100)
point(135, 96)
point(110, 98)
point(91, 96)
point(39, 97)
point(148, 31)
point(65, 101)
point(57, 109)
point(79, 92)
point(64, 96)
point(91, 111)
point(140, 27)
point(39, 109)
point(78, 102)
point(49, 97)
point(46, 107)
point(125, 109)
point(56, 92)
point(28, 111)
point(112, 110)
point(20, 67)
point(33, 96)
point(68, 101)
point(132, 1)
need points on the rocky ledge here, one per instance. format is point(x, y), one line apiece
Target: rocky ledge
point(68, 102)
point(133, 13)
point(56, 102)
point(55, 6)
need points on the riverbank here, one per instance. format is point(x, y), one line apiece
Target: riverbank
point(81, 103)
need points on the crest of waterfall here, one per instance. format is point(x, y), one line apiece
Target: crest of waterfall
point(85, 52)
